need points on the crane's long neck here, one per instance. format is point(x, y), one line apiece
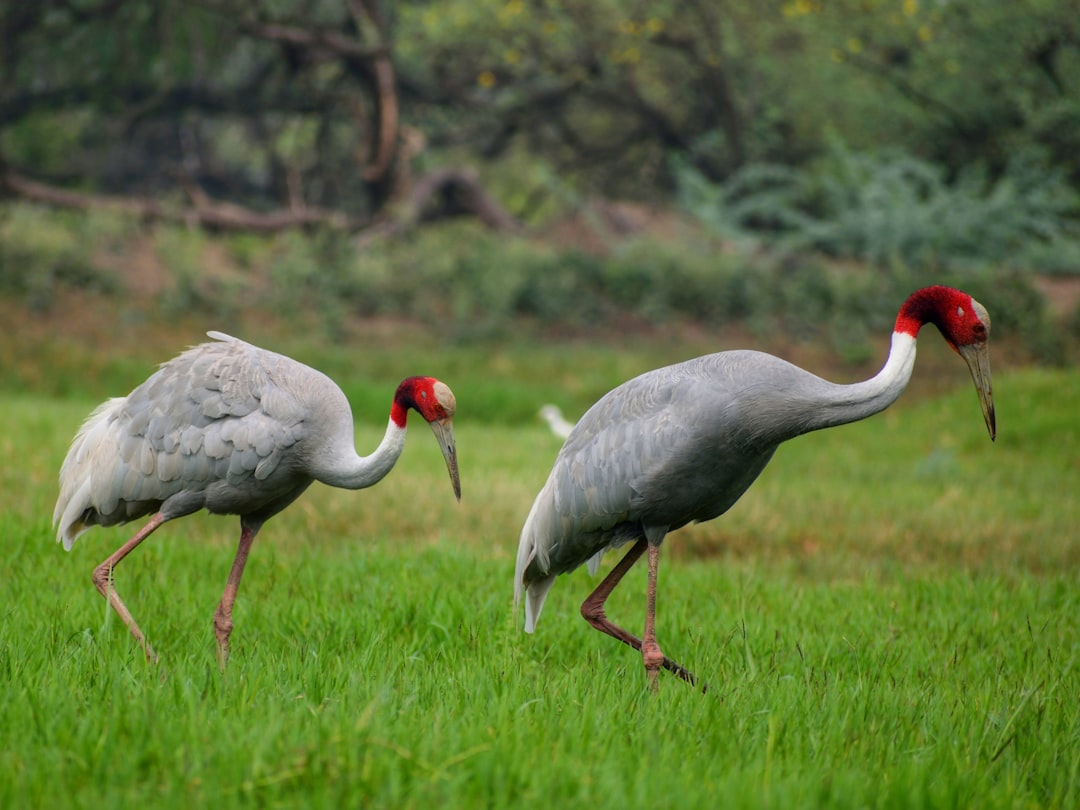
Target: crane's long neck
point(849, 403)
point(350, 470)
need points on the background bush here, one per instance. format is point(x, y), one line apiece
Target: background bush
point(479, 286)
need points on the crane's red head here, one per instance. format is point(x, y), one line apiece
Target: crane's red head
point(965, 325)
point(434, 401)
point(962, 320)
point(429, 397)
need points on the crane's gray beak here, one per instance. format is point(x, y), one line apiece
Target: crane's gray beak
point(977, 357)
point(444, 433)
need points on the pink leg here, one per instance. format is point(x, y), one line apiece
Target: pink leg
point(103, 579)
point(593, 607)
point(650, 650)
point(593, 611)
point(223, 623)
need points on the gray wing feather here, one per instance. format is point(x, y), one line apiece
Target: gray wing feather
point(170, 466)
point(219, 411)
point(594, 483)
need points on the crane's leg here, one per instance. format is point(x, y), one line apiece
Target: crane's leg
point(650, 650)
point(103, 579)
point(593, 610)
point(223, 623)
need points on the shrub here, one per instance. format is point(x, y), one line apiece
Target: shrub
point(479, 285)
point(41, 250)
point(891, 207)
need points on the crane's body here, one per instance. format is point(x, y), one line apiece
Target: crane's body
point(233, 429)
point(681, 444)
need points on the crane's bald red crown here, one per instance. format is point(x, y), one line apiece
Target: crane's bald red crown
point(429, 397)
point(962, 320)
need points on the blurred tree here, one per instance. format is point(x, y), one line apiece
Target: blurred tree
point(360, 113)
point(264, 115)
point(604, 89)
point(954, 81)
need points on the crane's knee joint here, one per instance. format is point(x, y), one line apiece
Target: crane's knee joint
point(592, 612)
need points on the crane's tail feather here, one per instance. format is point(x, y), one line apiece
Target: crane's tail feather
point(526, 552)
point(73, 521)
point(74, 506)
point(532, 553)
point(535, 595)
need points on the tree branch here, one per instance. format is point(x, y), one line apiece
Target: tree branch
point(202, 211)
point(317, 39)
point(456, 192)
point(178, 97)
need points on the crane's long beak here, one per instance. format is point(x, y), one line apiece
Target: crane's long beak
point(977, 357)
point(444, 433)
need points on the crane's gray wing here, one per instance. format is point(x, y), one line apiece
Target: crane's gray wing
point(219, 412)
point(591, 491)
point(671, 446)
point(592, 498)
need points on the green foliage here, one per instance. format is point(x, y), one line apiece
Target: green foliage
point(596, 88)
point(265, 102)
point(882, 208)
point(886, 208)
point(477, 285)
point(42, 252)
point(755, 201)
point(959, 83)
point(315, 271)
point(46, 140)
point(183, 251)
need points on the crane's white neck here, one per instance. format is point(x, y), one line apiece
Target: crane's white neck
point(850, 403)
point(350, 470)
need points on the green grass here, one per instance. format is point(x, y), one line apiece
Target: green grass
point(889, 618)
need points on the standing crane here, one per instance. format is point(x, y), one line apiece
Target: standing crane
point(683, 443)
point(233, 429)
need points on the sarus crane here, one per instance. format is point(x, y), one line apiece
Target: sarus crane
point(681, 444)
point(233, 429)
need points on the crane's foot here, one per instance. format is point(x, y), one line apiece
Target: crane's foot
point(148, 651)
point(681, 672)
point(223, 626)
point(654, 659)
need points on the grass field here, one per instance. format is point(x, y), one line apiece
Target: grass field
point(889, 618)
